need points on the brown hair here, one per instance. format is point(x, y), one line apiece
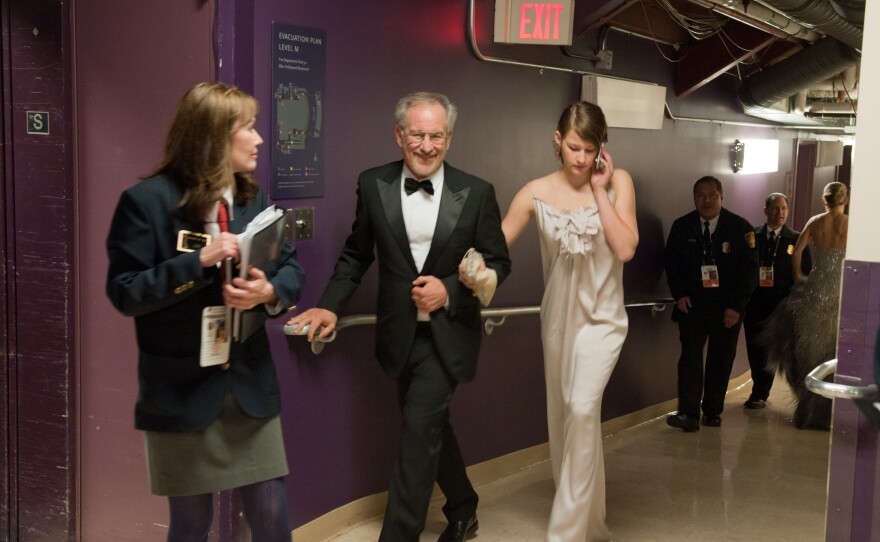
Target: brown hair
point(834, 194)
point(773, 197)
point(587, 120)
point(197, 149)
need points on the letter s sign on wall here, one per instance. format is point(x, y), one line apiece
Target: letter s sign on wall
point(38, 122)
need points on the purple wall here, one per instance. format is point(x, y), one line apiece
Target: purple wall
point(853, 462)
point(134, 60)
point(39, 500)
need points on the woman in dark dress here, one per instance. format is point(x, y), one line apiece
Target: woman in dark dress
point(801, 333)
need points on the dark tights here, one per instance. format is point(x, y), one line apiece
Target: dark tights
point(265, 508)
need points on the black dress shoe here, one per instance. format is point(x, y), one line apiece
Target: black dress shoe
point(712, 421)
point(686, 423)
point(461, 530)
point(755, 403)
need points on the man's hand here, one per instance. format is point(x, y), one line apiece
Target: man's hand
point(731, 317)
point(429, 293)
point(684, 303)
point(320, 321)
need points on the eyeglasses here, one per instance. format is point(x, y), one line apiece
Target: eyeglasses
point(416, 138)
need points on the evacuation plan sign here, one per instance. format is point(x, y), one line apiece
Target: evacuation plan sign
point(298, 70)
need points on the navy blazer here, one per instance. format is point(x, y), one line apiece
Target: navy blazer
point(765, 299)
point(165, 290)
point(733, 251)
point(468, 217)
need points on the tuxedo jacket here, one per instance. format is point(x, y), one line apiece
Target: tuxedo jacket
point(468, 217)
point(764, 299)
point(165, 290)
point(732, 250)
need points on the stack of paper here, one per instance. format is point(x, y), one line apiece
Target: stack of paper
point(260, 243)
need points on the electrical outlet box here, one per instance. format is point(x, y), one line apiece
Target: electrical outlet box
point(304, 220)
point(605, 59)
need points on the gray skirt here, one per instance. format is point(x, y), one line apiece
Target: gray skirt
point(235, 450)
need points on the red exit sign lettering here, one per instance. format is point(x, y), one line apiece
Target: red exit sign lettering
point(527, 21)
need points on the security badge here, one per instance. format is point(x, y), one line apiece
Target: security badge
point(750, 239)
point(765, 276)
point(190, 241)
point(709, 274)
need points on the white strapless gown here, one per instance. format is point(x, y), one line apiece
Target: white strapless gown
point(583, 326)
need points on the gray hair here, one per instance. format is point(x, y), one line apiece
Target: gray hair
point(428, 98)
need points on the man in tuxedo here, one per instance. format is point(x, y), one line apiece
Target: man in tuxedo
point(711, 269)
point(421, 215)
point(775, 245)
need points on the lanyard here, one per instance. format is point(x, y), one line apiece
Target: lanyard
point(775, 249)
point(707, 247)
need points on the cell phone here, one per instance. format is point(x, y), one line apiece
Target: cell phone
point(599, 165)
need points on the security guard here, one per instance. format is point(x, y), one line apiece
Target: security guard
point(711, 269)
point(775, 244)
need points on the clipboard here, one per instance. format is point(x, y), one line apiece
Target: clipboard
point(258, 247)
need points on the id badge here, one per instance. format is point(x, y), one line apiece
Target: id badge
point(710, 276)
point(765, 279)
point(215, 336)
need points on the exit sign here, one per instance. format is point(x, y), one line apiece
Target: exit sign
point(525, 21)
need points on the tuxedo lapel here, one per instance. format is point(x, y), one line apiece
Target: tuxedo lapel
point(389, 195)
point(455, 195)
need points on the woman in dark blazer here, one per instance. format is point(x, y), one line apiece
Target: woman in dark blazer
point(208, 406)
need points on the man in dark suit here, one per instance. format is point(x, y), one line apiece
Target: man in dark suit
point(711, 269)
point(775, 245)
point(421, 215)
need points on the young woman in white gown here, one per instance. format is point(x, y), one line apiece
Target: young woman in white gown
point(585, 213)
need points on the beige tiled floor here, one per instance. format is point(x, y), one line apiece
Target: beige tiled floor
point(754, 478)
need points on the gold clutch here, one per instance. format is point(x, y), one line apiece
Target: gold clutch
point(485, 280)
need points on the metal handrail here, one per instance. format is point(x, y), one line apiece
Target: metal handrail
point(657, 306)
point(815, 382)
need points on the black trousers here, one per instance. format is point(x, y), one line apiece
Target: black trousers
point(709, 384)
point(428, 451)
point(762, 379)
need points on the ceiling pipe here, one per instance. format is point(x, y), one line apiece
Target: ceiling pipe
point(800, 71)
point(851, 10)
point(774, 19)
point(820, 15)
point(846, 80)
point(768, 21)
point(831, 108)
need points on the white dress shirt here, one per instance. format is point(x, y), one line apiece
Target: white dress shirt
point(420, 211)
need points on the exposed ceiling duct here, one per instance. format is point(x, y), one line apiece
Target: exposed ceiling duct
point(851, 10)
point(810, 67)
point(820, 15)
point(813, 65)
point(778, 49)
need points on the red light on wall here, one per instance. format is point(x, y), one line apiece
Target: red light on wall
point(527, 21)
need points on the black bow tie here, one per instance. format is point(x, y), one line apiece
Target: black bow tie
point(411, 186)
